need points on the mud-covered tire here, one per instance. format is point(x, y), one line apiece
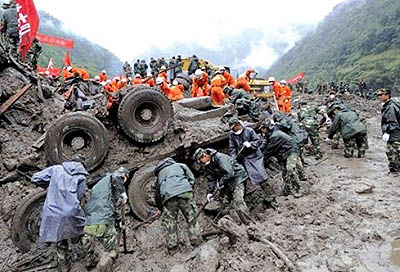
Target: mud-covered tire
point(59, 140)
point(26, 221)
point(185, 80)
point(141, 192)
point(145, 114)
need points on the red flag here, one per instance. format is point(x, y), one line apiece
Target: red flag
point(296, 78)
point(67, 60)
point(55, 41)
point(28, 24)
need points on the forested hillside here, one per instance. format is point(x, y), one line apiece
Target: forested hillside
point(85, 53)
point(359, 40)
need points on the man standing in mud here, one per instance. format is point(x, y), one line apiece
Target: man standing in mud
point(62, 217)
point(104, 210)
point(226, 176)
point(174, 192)
point(390, 125)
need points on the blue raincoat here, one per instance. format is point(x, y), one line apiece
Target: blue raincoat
point(62, 215)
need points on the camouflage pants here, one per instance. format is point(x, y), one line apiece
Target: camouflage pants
point(289, 174)
point(313, 134)
point(354, 142)
point(170, 220)
point(300, 168)
point(106, 234)
point(62, 251)
point(393, 155)
point(235, 200)
point(252, 108)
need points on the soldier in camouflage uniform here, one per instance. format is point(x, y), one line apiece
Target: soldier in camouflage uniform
point(390, 125)
point(278, 144)
point(128, 69)
point(308, 118)
point(226, 175)
point(34, 53)
point(9, 28)
point(103, 211)
point(352, 129)
point(244, 102)
point(174, 192)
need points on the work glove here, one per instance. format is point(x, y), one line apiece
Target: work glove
point(328, 140)
point(385, 137)
point(247, 144)
point(328, 122)
point(121, 225)
point(209, 197)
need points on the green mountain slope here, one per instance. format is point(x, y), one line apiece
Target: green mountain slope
point(359, 40)
point(85, 53)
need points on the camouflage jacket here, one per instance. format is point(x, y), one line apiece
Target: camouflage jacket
point(308, 116)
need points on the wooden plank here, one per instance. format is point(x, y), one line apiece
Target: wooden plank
point(13, 99)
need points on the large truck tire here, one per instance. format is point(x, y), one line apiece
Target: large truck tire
point(145, 114)
point(26, 221)
point(141, 192)
point(76, 133)
point(185, 80)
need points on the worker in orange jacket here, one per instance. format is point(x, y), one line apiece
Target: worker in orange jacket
point(177, 91)
point(163, 74)
point(116, 83)
point(81, 72)
point(229, 80)
point(103, 76)
point(243, 81)
point(200, 85)
point(66, 73)
point(160, 82)
point(138, 80)
point(286, 95)
point(217, 89)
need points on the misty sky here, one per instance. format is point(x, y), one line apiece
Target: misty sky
point(131, 28)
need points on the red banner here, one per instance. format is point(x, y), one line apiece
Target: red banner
point(67, 60)
point(55, 41)
point(296, 78)
point(28, 24)
point(54, 72)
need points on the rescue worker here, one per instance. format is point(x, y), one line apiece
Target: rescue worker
point(33, 54)
point(116, 84)
point(127, 69)
point(179, 65)
point(217, 92)
point(84, 74)
point(138, 80)
point(244, 146)
point(243, 81)
point(226, 176)
point(103, 76)
point(149, 80)
point(163, 85)
point(67, 72)
point(136, 67)
point(278, 144)
point(200, 85)
point(286, 95)
point(276, 89)
point(176, 92)
point(153, 66)
point(103, 209)
point(163, 74)
point(390, 125)
point(244, 102)
point(62, 217)
point(308, 118)
point(143, 68)
point(193, 65)
point(9, 28)
point(352, 129)
point(229, 80)
point(174, 192)
point(171, 68)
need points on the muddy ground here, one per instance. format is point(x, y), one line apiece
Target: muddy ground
point(347, 220)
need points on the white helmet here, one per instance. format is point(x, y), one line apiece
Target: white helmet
point(123, 80)
point(175, 82)
point(221, 68)
point(198, 73)
point(283, 81)
point(129, 78)
point(159, 80)
point(108, 81)
point(271, 79)
point(69, 68)
point(103, 83)
point(97, 78)
point(163, 68)
point(47, 73)
point(104, 72)
point(116, 78)
point(137, 75)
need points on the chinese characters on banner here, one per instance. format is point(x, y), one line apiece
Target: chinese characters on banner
point(28, 24)
point(55, 41)
point(296, 78)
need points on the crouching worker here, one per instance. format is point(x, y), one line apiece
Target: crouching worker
point(174, 192)
point(226, 175)
point(104, 207)
point(62, 217)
